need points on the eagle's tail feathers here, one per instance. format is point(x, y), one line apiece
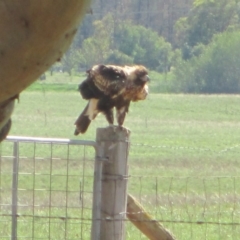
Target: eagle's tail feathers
point(82, 123)
point(85, 118)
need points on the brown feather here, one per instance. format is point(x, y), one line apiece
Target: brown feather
point(109, 86)
point(88, 114)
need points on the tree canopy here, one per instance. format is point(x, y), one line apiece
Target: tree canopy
point(193, 42)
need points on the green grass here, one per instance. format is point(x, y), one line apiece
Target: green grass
point(184, 160)
point(58, 82)
point(62, 82)
point(168, 130)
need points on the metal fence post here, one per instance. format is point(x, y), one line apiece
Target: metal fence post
point(15, 189)
point(110, 202)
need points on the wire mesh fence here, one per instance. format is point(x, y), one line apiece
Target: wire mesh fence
point(193, 208)
point(46, 193)
point(46, 189)
point(194, 199)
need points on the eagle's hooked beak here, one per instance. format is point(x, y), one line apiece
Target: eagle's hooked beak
point(146, 79)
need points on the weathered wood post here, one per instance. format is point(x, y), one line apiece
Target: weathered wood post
point(145, 222)
point(110, 208)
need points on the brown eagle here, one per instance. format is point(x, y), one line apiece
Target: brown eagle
point(108, 87)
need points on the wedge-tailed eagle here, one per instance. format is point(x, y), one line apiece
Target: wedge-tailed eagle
point(108, 87)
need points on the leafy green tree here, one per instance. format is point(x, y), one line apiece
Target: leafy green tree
point(125, 43)
point(144, 46)
point(207, 18)
point(216, 70)
point(69, 61)
point(97, 48)
point(221, 64)
point(85, 30)
point(119, 58)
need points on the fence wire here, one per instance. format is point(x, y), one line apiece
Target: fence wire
point(54, 190)
point(194, 199)
point(54, 195)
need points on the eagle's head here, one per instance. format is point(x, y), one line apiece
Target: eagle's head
point(137, 80)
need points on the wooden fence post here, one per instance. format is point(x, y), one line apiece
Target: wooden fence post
point(145, 222)
point(112, 151)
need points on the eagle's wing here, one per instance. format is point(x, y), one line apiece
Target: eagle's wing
point(88, 89)
point(109, 79)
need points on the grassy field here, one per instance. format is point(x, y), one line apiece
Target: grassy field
point(184, 161)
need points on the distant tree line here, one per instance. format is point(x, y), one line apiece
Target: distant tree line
point(196, 43)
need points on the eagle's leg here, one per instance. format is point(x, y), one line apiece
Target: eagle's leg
point(121, 113)
point(109, 116)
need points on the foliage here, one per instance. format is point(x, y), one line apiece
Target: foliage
point(86, 30)
point(119, 58)
point(96, 48)
point(111, 38)
point(123, 43)
point(144, 46)
point(158, 15)
point(217, 70)
point(207, 18)
point(69, 61)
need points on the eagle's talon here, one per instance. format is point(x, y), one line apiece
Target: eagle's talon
point(121, 127)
